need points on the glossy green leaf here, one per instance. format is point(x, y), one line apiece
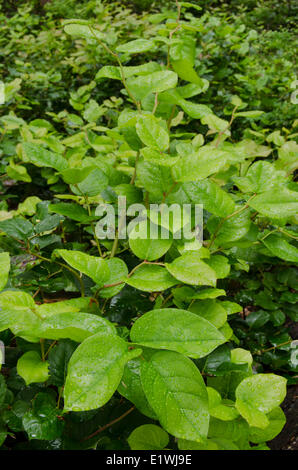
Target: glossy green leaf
point(277, 421)
point(76, 175)
point(145, 247)
point(190, 269)
point(110, 71)
point(92, 185)
point(152, 133)
point(258, 395)
point(176, 330)
point(131, 388)
point(136, 46)
point(18, 172)
point(78, 29)
point(4, 268)
point(92, 266)
point(220, 264)
point(230, 230)
point(276, 204)
point(44, 158)
point(47, 310)
point(197, 166)
point(95, 370)
point(221, 409)
point(260, 177)
point(76, 326)
point(17, 228)
point(42, 422)
point(177, 393)
point(148, 437)
point(214, 199)
point(31, 368)
point(118, 274)
point(71, 210)
point(155, 82)
point(209, 293)
point(211, 310)
point(207, 444)
point(151, 278)
point(280, 247)
point(249, 114)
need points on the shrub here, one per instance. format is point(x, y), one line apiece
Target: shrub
point(146, 331)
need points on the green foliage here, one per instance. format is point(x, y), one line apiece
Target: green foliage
point(188, 342)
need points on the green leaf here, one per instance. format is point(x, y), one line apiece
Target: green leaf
point(4, 268)
point(49, 223)
point(231, 430)
point(260, 177)
point(131, 388)
point(42, 421)
point(155, 82)
point(182, 56)
point(152, 133)
point(208, 293)
point(230, 230)
point(16, 300)
point(17, 228)
point(177, 393)
point(148, 437)
point(95, 370)
point(211, 310)
point(277, 420)
point(72, 305)
point(220, 264)
point(145, 247)
point(231, 307)
point(76, 175)
point(258, 395)
point(151, 278)
point(92, 185)
point(92, 266)
point(17, 312)
point(216, 124)
point(28, 207)
point(207, 444)
point(176, 330)
point(276, 204)
point(155, 156)
point(194, 110)
point(287, 157)
point(156, 179)
point(214, 199)
point(76, 326)
point(249, 114)
point(190, 269)
point(118, 273)
point(221, 409)
point(110, 71)
point(196, 166)
point(241, 356)
point(71, 210)
point(136, 46)
point(279, 247)
point(58, 359)
point(74, 28)
point(41, 157)
point(32, 369)
point(92, 111)
point(18, 172)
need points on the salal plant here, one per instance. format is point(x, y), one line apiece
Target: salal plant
point(168, 351)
